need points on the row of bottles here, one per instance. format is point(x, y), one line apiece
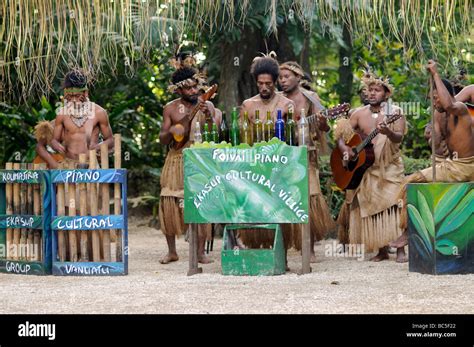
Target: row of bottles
point(258, 132)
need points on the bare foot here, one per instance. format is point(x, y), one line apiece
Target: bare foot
point(401, 256)
point(204, 260)
point(382, 255)
point(313, 258)
point(402, 241)
point(169, 258)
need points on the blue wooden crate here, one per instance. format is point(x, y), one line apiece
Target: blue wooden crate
point(19, 221)
point(64, 223)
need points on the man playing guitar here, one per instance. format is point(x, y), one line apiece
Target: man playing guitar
point(179, 121)
point(373, 210)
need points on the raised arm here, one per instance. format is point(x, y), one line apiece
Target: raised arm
point(447, 101)
point(466, 94)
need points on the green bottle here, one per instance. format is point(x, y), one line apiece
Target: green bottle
point(268, 128)
point(206, 135)
point(245, 130)
point(214, 134)
point(290, 130)
point(234, 129)
point(257, 128)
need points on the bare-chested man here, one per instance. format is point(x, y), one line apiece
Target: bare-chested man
point(466, 95)
point(454, 123)
point(185, 83)
point(79, 122)
point(373, 211)
point(290, 80)
point(266, 71)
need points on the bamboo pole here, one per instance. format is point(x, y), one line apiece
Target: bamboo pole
point(9, 211)
point(61, 207)
point(94, 209)
point(306, 239)
point(117, 194)
point(37, 212)
point(83, 210)
point(23, 212)
point(72, 235)
point(29, 236)
point(104, 155)
point(16, 210)
point(433, 130)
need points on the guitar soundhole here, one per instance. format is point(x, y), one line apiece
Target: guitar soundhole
point(351, 165)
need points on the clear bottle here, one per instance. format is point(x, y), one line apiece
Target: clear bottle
point(290, 130)
point(303, 130)
point(280, 127)
point(245, 130)
point(234, 129)
point(257, 133)
point(268, 128)
point(223, 129)
point(197, 133)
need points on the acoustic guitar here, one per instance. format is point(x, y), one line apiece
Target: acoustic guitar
point(349, 176)
point(56, 156)
point(185, 122)
point(470, 108)
point(332, 113)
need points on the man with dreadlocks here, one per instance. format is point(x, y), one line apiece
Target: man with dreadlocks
point(295, 87)
point(265, 70)
point(79, 122)
point(454, 123)
point(373, 211)
point(177, 131)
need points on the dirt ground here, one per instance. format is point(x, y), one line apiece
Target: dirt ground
point(336, 285)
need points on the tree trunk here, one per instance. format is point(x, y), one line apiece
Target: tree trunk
point(345, 67)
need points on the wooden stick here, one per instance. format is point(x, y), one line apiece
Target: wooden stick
point(9, 210)
point(29, 235)
point(433, 131)
point(16, 210)
point(72, 212)
point(23, 212)
point(61, 208)
point(94, 209)
point(306, 240)
point(83, 210)
point(104, 155)
point(193, 251)
point(37, 212)
point(117, 193)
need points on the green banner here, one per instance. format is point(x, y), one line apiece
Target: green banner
point(267, 183)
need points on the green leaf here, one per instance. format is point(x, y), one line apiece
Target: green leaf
point(419, 225)
point(448, 201)
point(196, 182)
point(458, 216)
point(446, 247)
point(425, 213)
